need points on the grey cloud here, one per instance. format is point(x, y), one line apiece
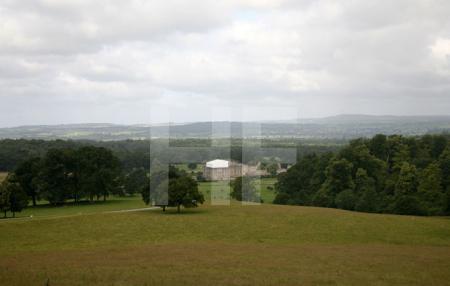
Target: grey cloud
point(79, 61)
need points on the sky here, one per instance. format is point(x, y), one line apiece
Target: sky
point(136, 61)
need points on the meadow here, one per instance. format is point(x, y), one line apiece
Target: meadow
point(235, 244)
point(227, 245)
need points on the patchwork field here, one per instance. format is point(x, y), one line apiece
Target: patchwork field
point(226, 245)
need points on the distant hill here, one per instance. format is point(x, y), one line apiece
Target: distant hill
point(335, 127)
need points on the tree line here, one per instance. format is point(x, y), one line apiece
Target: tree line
point(76, 174)
point(385, 174)
point(135, 154)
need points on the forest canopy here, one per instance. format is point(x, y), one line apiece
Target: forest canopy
point(385, 174)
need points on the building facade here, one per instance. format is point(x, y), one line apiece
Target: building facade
point(221, 170)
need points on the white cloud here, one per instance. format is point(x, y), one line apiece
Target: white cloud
point(109, 57)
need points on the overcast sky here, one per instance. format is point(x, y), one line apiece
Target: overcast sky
point(117, 61)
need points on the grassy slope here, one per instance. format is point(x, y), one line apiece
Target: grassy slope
point(237, 245)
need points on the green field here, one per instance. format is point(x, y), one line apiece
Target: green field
point(222, 189)
point(221, 245)
point(227, 245)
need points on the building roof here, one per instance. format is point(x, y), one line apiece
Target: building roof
point(217, 164)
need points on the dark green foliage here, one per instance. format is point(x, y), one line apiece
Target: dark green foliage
point(12, 197)
point(27, 174)
point(244, 189)
point(134, 154)
point(64, 174)
point(172, 188)
point(192, 166)
point(134, 181)
point(384, 174)
point(367, 197)
point(297, 185)
point(346, 200)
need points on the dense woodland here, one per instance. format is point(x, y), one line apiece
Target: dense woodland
point(136, 153)
point(385, 174)
point(85, 173)
point(395, 174)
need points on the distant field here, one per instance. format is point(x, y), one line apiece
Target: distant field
point(3, 176)
point(227, 245)
point(221, 189)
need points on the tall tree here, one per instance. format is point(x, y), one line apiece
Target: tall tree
point(27, 174)
point(97, 172)
point(365, 189)
point(134, 181)
point(12, 196)
point(183, 191)
point(407, 180)
point(430, 189)
point(244, 189)
point(56, 176)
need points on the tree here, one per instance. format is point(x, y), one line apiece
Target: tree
point(244, 189)
point(405, 200)
point(192, 166)
point(12, 197)
point(183, 191)
point(407, 180)
point(367, 200)
point(430, 189)
point(134, 180)
point(272, 169)
point(444, 164)
point(338, 179)
point(345, 200)
point(56, 177)
point(97, 172)
point(378, 147)
point(27, 174)
point(5, 194)
point(174, 188)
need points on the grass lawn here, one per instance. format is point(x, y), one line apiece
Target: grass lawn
point(69, 209)
point(227, 245)
point(219, 190)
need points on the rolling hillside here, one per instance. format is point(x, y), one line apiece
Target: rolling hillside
point(336, 127)
point(221, 245)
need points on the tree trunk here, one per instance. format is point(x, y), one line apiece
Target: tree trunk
point(5, 214)
point(34, 200)
point(14, 214)
point(104, 197)
point(178, 208)
point(164, 209)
